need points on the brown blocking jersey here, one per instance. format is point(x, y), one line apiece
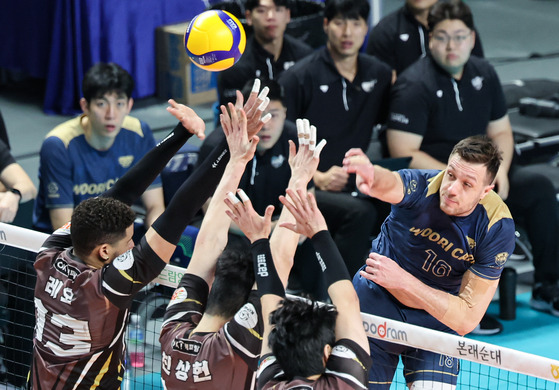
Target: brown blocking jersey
point(347, 368)
point(81, 314)
point(226, 359)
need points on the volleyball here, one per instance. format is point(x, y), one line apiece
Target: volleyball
point(215, 40)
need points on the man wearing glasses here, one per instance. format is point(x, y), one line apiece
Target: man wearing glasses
point(448, 96)
point(402, 37)
point(451, 95)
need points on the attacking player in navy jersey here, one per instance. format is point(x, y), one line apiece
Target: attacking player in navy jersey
point(453, 94)
point(438, 258)
point(89, 270)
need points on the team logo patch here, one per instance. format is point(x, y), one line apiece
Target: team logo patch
point(471, 242)
point(247, 316)
point(477, 83)
point(501, 258)
point(179, 296)
point(190, 347)
point(368, 85)
point(66, 269)
point(265, 363)
point(277, 161)
point(404, 37)
point(412, 187)
point(52, 189)
point(66, 227)
point(288, 64)
point(125, 161)
point(324, 88)
point(124, 261)
point(344, 352)
point(341, 349)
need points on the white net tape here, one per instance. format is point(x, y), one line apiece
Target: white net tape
point(376, 327)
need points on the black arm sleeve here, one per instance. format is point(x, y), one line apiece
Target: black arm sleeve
point(329, 257)
point(136, 180)
point(192, 194)
point(267, 278)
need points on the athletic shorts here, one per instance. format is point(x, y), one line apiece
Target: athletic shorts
point(418, 364)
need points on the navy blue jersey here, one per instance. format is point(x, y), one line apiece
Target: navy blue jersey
point(437, 248)
point(71, 170)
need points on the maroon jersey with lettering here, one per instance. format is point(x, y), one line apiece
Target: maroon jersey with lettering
point(226, 359)
point(347, 368)
point(81, 314)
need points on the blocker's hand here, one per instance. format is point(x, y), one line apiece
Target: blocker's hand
point(247, 219)
point(254, 107)
point(304, 162)
point(189, 119)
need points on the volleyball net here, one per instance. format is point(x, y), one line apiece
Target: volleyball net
point(483, 365)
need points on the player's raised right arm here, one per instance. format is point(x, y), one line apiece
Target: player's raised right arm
point(213, 233)
point(311, 223)
point(374, 180)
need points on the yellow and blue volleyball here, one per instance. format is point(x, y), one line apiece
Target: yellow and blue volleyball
point(215, 40)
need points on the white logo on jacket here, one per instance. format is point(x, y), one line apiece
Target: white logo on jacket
point(368, 85)
point(288, 64)
point(477, 82)
point(277, 161)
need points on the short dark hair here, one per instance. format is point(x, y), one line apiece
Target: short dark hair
point(100, 220)
point(252, 4)
point(275, 93)
point(301, 330)
point(480, 149)
point(234, 278)
point(106, 77)
point(450, 10)
point(347, 9)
